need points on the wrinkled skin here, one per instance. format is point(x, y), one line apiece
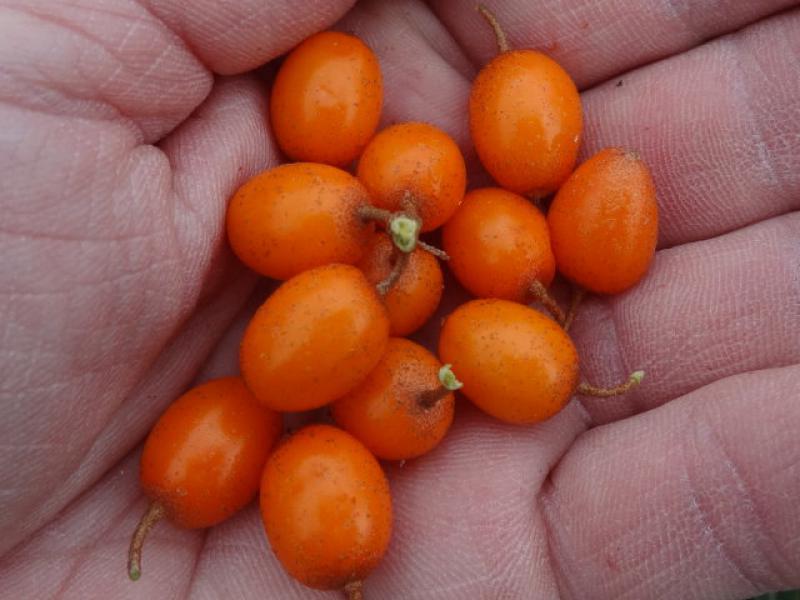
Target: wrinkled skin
point(126, 125)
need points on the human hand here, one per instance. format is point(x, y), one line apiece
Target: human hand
point(119, 153)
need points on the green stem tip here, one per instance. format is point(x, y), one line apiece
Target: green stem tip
point(449, 379)
point(404, 231)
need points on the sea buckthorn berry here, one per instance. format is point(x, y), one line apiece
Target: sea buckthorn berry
point(499, 245)
point(516, 364)
point(416, 164)
point(314, 339)
point(604, 222)
point(296, 217)
point(414, 296)
point(402, 409)
point(326, 100)
point(525, 119)
point(203, 459)
point(326, 508)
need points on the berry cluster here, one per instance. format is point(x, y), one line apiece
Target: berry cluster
point(357, 278)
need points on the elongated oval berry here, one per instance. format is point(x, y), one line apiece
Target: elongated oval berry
point(515, 363)
point(326, 100)
point(526, 121)
point(499, 245)
point(296, 217)
point(316, 338)
point(203, 459)
point(525, 117)
point(326, 508)
point(604, 222)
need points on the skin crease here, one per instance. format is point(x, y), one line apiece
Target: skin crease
point(414, 297)
point(499, 245)
point(297, 217)
point(388, 413)
point(119, 292)
point(326, 100)
point(604, 222)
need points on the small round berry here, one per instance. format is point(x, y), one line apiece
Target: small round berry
point(402, 410)
point(418, 165)
point(413, 298)
point(499, 245)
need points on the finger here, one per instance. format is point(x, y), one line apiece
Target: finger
point(717, 125)
point(135, 297)
point(142, 65)
point(597, 40)
point(234, 37)
point(707, 310)
point(694, 500)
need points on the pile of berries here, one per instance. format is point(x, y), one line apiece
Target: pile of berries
point(357, 278)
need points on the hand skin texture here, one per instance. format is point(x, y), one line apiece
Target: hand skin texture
point(125, 126)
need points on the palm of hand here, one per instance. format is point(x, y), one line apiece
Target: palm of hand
point(119, 291)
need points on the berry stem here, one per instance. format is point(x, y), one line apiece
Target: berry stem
point(400, 263)
point(354, 590)
point(367, 212)
point(543, 297)
point(499, 34)
point(153, 514)
point(585, 389)
point(437, 252)
point(402, 226)
point(448, 384)
point(578, 294)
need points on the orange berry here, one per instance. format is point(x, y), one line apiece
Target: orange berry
point(401, 410)
point(499, 245)
point(314, 339)
point(516, 364)
point(604, 222)
point(418, 162)
point(296, 217)
point(203, 459)
point(326, 100)
point(326, 508)
point(414, 297)
point(525, 118)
